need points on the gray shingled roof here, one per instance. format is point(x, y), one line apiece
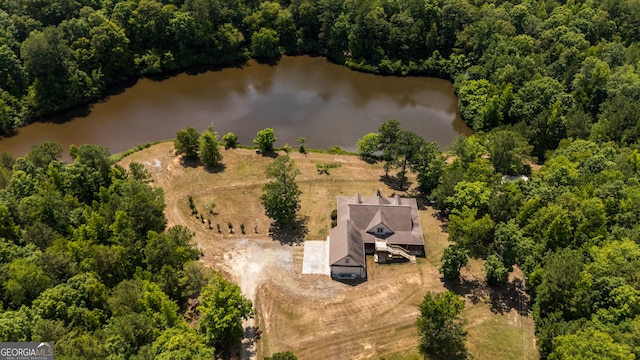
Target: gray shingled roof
point(348, 243)
point(356, 215)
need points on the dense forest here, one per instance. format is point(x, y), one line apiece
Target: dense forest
point(86, 261)
point(549, 68)
point(553, 82)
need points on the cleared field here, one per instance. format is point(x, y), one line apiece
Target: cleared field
point(311, 315)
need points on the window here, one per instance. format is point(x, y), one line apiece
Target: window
point(346, 260)
point(380, 230)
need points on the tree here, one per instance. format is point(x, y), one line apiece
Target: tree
point(454, 258)
point(265, 44)
point(302, 142)
point(468, 149)
point(264, 140)
point(388, 134)
point(186, 143)
point(497, 273)
point(407, 149)
point(507, 150)
point(368, 146)
point(440, 328)
point(286, 355)
point(41, 155)
point(25, 282)
point(230, 140)
point(208, 150)
point(281, 196)
point(510, 243)
point(181, 343)
point(223, 307)
point(13, 78)
point(472, 195)
point(472, 233)
point(170, 248)
point(589, 344)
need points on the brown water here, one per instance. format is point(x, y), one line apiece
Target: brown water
point(326, 103)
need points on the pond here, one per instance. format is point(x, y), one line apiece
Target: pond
point(328, 104)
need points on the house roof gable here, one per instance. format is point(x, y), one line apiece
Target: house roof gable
point(398, 214)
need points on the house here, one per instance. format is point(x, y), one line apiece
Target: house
point(388, 228)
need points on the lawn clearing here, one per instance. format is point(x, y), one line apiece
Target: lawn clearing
point(311, 315)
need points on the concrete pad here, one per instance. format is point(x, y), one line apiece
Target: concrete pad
point(316, 257)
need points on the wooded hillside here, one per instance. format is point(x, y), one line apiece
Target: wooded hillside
point(544, 81)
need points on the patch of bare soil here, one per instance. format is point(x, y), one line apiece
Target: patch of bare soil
point(311, 315)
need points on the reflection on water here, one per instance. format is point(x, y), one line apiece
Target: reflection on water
point(326, 103)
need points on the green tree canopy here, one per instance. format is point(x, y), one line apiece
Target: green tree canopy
point(264, 140)
point(497, 273)
point(281, 195)
point(230, 140)
point(223, 308)
point(454, 258)
point(265, 44)
point(507, 151)
point(589, 344)
point(186, 143)
point(368, 146)
point(440, 328)
point(208, 150)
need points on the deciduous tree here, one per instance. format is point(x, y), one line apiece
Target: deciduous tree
point(186, 143)
point(497, 273)
point(208, 150)
point(441, 330)
point(368, 146)
point(281, 196)
point(454, 258)
point(264, 140)
point(223, 308)
point(230, 140)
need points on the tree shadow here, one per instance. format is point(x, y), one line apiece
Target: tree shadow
point(189, 163)
point(218, 168)
point(369, 159)
point(503, 298)
point(510, 296)
point(84, 109)
point(292, 235)
point(268, 61)
point(395, 182)
point(272, 153)
point(474, 290)
point(461, 353)
point(251, 336)
point(8, 133)
point(195, 163)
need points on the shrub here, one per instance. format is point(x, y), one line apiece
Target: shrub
point(192, 206)
point(230, 140)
